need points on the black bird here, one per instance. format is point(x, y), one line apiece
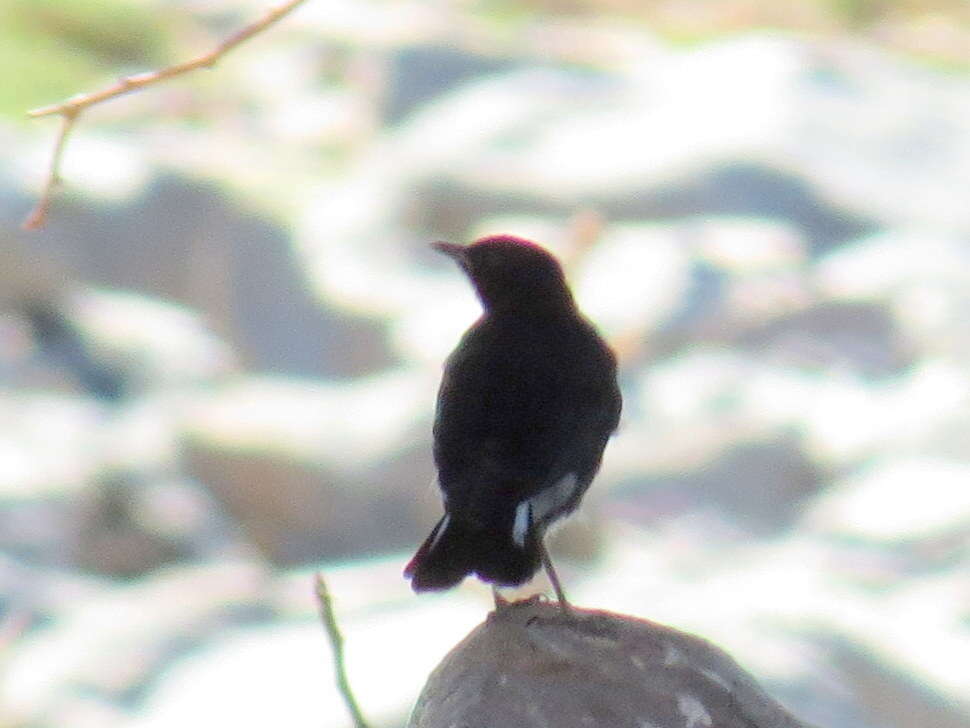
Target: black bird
point(527, 403)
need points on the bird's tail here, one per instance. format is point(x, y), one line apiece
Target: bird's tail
point(457, 548)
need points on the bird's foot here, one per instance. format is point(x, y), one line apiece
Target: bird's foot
point(500, 601)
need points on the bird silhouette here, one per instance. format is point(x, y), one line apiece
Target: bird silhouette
point(527, 403)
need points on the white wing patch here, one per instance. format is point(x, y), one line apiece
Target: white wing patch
point(523, 519)
point(541, 505)
point(555, 498)
point(441, 531)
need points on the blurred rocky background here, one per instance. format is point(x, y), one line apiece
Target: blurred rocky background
point(218, 361)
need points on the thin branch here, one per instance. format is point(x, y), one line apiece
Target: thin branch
point(71, 109)
point(337, 645)
point(38, 215)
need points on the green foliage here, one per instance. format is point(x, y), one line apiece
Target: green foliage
point(50, 49)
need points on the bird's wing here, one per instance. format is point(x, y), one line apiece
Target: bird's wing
point(513, 419)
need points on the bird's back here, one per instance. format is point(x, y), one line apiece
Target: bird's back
point(523, 404)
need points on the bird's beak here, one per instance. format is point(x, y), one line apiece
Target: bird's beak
point(456, 252)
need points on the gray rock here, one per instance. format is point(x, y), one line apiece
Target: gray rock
point(528, 665)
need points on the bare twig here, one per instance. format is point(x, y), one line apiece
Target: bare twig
point(337, 645)
point(71, 109)
point(38, 215)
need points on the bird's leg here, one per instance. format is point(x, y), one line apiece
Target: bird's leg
point(500, 601)
point(564, 605)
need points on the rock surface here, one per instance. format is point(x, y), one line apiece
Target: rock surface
point(531, 665)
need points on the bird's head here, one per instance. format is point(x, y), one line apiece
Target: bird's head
point(511, 274)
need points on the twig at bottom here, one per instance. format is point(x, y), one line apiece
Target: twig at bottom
point(337, 645)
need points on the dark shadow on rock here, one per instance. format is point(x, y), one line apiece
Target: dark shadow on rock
point(889, 695)
point(858, 336)
point(66, 348)
point(420, 74)
point(444, 207)
point(748, 189)
point(298, 512)
point(187, 242)
point(761, 487)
